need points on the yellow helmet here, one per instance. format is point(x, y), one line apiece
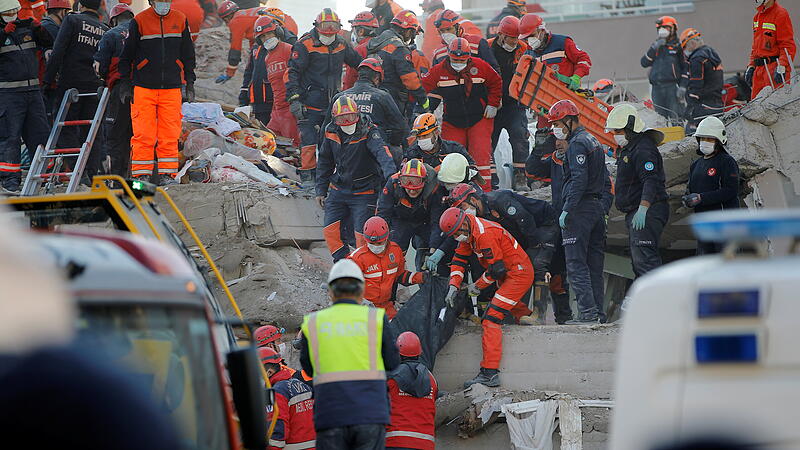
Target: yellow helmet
point(625, 116)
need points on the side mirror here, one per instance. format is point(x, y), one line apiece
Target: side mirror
point(249, 396)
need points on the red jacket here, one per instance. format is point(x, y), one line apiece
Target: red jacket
point(194, 14)
point(431, 40)
point(277, 67)
point(496, 249)
point(412, 394)
point(382, 272)
point(772, 33)
point(32, 8)
point(241, 27)
point(562, 51)
point(295, 401)
point(350, 73)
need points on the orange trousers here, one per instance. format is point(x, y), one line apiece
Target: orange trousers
point(156, 119)
point(762, 77)
point(505, 300)
point(477, 139)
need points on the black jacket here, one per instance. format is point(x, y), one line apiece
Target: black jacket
point(109, 51)
point(435, 159)
point(51, 26)
point(395, 204)
point(667, 63)
point(73, 52)
point(584, 169)
point(520, 215)
point(716, 179)
point(400, 77)
point(19, 65)
point(640, 173)
point(380, 107)
point(255, 82)
point(413, 378)
point(705, 77)
point(494, 24)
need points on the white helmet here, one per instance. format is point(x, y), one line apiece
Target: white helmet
point(8, 5)
point(712, 127)
point(620, 117)
point(345, 268)
point(453, 168)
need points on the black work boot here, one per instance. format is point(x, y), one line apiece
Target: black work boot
point(307, 177)
point(486, 377)
point(520, 180)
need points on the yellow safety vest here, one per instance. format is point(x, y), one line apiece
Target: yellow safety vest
point(344, 342)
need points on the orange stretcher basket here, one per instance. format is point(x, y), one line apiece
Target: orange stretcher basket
point(536, 86)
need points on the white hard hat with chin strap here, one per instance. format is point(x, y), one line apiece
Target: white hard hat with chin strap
point(8, 5)
point(625, 116)
point(453, 168)
point(712, 127)
point(345, 268)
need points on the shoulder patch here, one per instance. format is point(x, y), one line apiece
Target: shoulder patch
point(511, 210)
point(295, 55)
point(581, 159)
point(649, 166)
point(712, 171)
point(473, 71)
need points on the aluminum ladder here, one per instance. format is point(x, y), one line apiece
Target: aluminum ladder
point(45, 171)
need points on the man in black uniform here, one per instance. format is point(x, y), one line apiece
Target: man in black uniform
point(514, 8)
point(667, 65)
point(706, 78)
point(56, 11)
point(429, 145)
point(641, 193)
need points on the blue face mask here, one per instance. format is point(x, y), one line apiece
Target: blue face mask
point(161, 8)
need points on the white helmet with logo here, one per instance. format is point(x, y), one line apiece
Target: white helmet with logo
point(345, 268)
point(712, 127)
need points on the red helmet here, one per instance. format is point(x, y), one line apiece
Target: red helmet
point(413, 174)
point(509, 26)
point(459, 50)
point(263, 25)
point(460, 193)
point(529, 24)
point(365, 19)
point(446, 19)
point(266, 334)
point(376, 230)
point(406, 19)
point(328, 22)
point(373, 63)
point(603, 85)
point(561, 109)
point(227, 8)
point(451, 220)
point(345, 111)
point(667, 21)
point(409, 345)
point(64, 4)
point(118, 9)
point(268, 355)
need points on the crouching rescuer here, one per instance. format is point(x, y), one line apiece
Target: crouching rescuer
point(506, 264)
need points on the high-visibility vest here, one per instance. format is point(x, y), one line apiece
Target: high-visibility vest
point(344, 342)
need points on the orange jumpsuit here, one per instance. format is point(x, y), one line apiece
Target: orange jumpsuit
point(193, 12)
point(773, 38)
point(241, 27)
point(382, 272)
point(431, 40)
point(503, 257)
point(32, 8)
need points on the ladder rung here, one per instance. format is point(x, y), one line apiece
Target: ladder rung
point(88, 94)
point(65, 151)
point(58, 174)
point(68, 123)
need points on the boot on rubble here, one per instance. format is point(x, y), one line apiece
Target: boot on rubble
point(486, 377)
point(308, 177)
point(520, 180)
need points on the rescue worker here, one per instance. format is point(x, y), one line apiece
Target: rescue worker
point(351, 407)
point(240, 23)
point(384, 266)
point(194, 14)
point(451, 26)
point(704, 91)
point(294, 399)
point(32, 9)
point(363, 28)
point(412, 393)
point(412, 203)
point(384, 11)
point(431, 40)
point(71, 65)
point(353, 164)
point(21, 106)
point(287, 23)
point(315, 74)
point(555, 49)
point(582, 218)
point(668, 78)
point(400, 77)
point(118, 112)
point(428, 146)
point(508, 50)
point(641, 192)
point(269, 336)
point(506, 264)
point(158, 84)
point(531, 222)
point(378, 105)
point(471, 91)
point(713, 178)
point(56, 11)
point(514, 8)
point(455, 169)
point(773, 47)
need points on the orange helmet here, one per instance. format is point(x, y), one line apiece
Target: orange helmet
point(376, 230)
point(263, 25)
point(459, 50)
point(373, 63)
point(365, 19)
point(451, 220)
point(276, 14)
point(446, 19)
point(602, 85)
point(460, 193)
point(413, 174)
point(424, 124)
point(561, 109)
point(406, 19)
point(227, 9)
point(409, 345)
point(517, 3)
point(328, 22)
point(667, 21)
point(266, 334)
point(345, 111)
point(509, 26)
point(689, 34)
point(529, 24)
point(268, 356)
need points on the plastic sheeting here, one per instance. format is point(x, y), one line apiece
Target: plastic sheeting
point(531, 424)
point(504, 161)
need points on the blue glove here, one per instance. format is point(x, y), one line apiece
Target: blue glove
point(433, 261)
point(562, 220)
point(638, 219)
point(222, 78)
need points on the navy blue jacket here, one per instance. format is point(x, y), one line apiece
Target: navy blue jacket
point(640, 174)
point(255, 84)
point(435, 159)
point(716, 179)
point(51, 26)
point(73, 52)
point(706, 77)
point(395, 204)
point(380, 107)
point(400, 77)
point(667, 63)
point(19, 65)
point(494, 24)
point(584, 169)
point(109, 51)
point(519, 215)
point(353, 164)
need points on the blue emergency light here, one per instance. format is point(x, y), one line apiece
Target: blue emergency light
point(726, 348)
point(722, 226)
point(745, 303)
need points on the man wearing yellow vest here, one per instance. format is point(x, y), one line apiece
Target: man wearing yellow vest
point(348, 348)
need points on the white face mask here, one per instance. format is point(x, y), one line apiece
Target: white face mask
point(377, 248)
point(281, 348)
point(161, 8)
point(10, 18)
point(458, 67)
point(508, 48)
point(461, 238)
point(448, 38)
point(327, 39)
point(559, 133)
point(620, 140)
point(759, 3)
point(271, 43)
point(471, 210)
point(706, 147)
point(663, 33)
point(425, 144)
point(534, 42)
point(348, 129)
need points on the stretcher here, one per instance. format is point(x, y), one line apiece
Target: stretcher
point(538, 86)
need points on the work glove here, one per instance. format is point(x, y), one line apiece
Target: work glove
point(10, 27)
point(473, 290)
point(244, 97)
point(562, 220)
point(450, 298)
point(222, 78)
point(680, 93)
point(748, 75)
point(490, 112)
point(639, 218)
point(691, 200)
point(433, 261)
point(574, 82)
point(320, 201)
point(659, 43)
point(188, 93)
point(779, 77)
point(426, 105)
point(125, 91)
point(298, 110)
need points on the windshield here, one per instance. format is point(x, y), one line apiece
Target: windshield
point(169, 349)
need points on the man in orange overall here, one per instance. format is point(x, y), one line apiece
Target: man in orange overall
point(506, 264)
point(384, 266)
point(773, 47)
point(240, 23)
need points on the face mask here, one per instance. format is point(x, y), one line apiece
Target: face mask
point(448, 38)
point(348, 129)
point(472, 211)
point(759, 3)
point(458, 67)
point(534, 42)
point(161, 8)
point(461, 238)
point(425, 144)
point(281, 348)
point(271, 43)
point(706, 147)
point(663, 33)
point(508, 48)
point(377, 248)
point(621, 140)
point(11, 18)
point(327, 39)
point(559, 133)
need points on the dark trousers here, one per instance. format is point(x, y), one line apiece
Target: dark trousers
point(584, 242)
point(75, 136)
point(22, 116)
point(403, 232)
point(644, 242)
point(340, 206)
point(353, 437)
point(120, 132)
point(559, 287)
point(540, 257)
point(309, 129)
point(263, 112)
point(697, 111)
point(512, 118)
point(709, 248)
point(665, 100)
